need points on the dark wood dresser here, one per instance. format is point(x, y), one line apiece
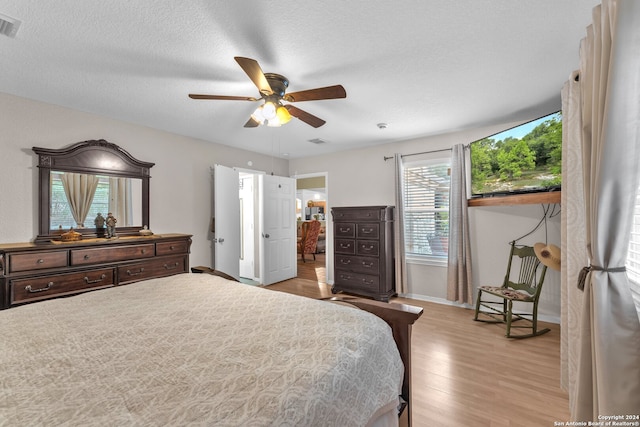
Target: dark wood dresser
point(363, 251)
point(32, 272)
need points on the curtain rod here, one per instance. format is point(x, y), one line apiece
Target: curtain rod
point(416, 154)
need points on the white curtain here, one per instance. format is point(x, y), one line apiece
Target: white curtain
point(602, 347)
point(79, 189)
point(120, 200)
point(400, 261)
point(459, 284)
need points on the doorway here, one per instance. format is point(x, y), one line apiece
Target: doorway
point(254, 226)
point(312, 203)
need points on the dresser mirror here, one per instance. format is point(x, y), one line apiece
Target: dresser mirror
point(78, 181)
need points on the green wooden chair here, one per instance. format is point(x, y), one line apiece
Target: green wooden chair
point(497, 307)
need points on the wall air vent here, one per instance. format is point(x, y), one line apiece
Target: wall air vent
point(8, 26)
point(317, 141)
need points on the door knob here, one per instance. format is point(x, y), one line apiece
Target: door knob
point(266, 236)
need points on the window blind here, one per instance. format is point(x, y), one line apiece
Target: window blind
point(426, 208)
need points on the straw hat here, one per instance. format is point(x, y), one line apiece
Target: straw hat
point(549, 255)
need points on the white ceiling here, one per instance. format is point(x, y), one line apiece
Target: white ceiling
point(423, 66)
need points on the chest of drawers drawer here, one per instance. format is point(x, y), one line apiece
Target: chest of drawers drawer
point(345, 246)
point(365, 265)
point(357, 281)
point(357, 214)
point(171, 248)
point(368, 231)
point(368, 247)
point(345, 230)
point(158, 267)
point(37, 288)
point(112, 254)
point(36, 261)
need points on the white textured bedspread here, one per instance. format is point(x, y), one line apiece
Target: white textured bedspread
point(194, 349)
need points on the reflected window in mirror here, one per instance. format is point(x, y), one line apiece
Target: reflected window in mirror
point(76, 200)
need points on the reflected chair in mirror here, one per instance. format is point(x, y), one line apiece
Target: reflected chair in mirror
point(309, 238)
point(521, 287)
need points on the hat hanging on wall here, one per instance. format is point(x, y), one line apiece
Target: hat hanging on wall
point(549, 255)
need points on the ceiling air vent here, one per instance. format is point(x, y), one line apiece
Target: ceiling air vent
point(317, 141)
point(8, 26)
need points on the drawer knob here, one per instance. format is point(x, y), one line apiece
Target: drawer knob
point(367, 264)
point(345, 229)
point(171, 247)
point(345, 261)
point(367, 230)
point(87, 257)
point(143, 251)
point(29, 289)
point(40, 261)
point(345, 245)
point(102, 277)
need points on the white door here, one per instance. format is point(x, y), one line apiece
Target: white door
point(278, 228)
point(226, 220)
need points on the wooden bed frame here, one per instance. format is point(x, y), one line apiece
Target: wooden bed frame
point(399, 316)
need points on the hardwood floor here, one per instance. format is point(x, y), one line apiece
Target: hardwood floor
point(466, 373)
point(313, 269)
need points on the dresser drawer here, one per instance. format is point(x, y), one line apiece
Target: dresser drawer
point(357, 264)
point(171, 248)
point(152, 268)
point(345, 246)
point(368, 231)
point(368, 247)
point(354, 214)
point(345, 230)
point(357, 281)
point(36, 260)
point(25, 290)
point(111, 254)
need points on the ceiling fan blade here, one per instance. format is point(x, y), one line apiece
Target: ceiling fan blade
point(329, 92)
point(309, 119)
point(222, 97)
point(252, 123)
point(253, 70)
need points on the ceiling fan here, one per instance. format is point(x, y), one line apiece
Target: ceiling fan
point(272, 89)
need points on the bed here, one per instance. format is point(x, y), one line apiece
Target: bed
point(196, 349)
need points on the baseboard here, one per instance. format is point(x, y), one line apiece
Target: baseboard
point(541, 317)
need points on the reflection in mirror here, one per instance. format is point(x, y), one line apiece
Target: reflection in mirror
point(76, 200)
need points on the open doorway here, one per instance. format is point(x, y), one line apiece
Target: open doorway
point(312, 204)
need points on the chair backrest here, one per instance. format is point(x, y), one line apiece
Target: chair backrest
point(530, 274)
point(310, 233)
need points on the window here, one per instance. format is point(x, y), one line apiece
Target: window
point(426, 209)
point(633, 258)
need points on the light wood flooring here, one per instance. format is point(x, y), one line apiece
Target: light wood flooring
point(466, 373)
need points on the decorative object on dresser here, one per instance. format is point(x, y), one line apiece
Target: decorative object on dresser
point(32, 272)
point(363, 251)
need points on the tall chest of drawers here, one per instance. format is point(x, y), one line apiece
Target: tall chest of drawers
point(32, 272)
point(363, 251)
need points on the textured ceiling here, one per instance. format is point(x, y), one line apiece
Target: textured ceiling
point(423, 66)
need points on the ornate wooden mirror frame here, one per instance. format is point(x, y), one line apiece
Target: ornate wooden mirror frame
point(98, 157)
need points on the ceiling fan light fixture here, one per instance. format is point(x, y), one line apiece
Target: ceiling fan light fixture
point(269, 110)
point(283, 115)
point(258, 115)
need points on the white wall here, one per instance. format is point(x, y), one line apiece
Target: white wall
point(181, 184)
point(363, 177)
